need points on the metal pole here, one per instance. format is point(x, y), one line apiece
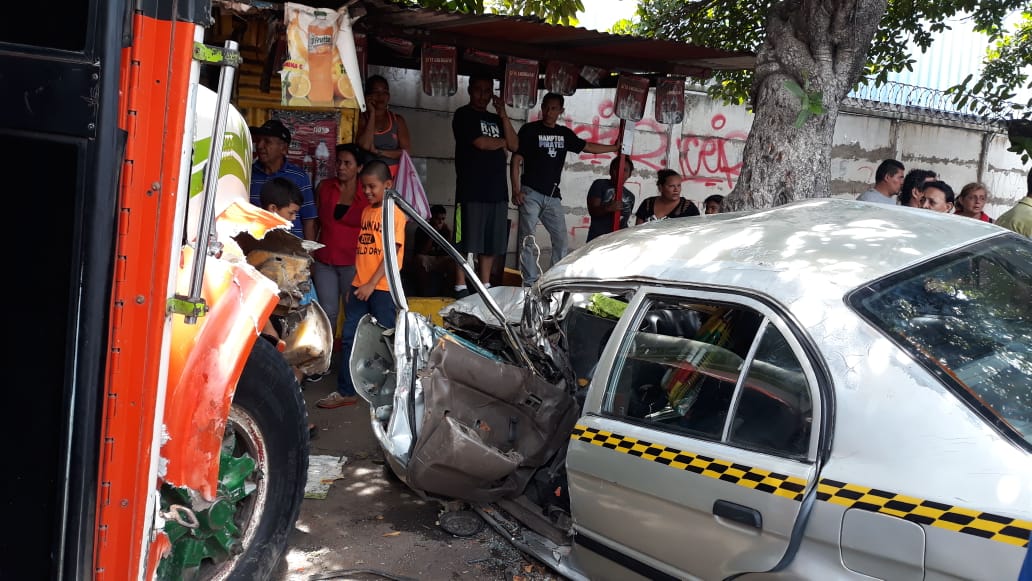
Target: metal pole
point(211, 178)
point(620, 176)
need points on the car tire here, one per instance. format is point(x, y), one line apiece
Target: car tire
point(388, 472)
point(461, 523)
point(269, 421)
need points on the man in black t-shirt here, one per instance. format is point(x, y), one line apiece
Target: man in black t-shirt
point(537, 167)
point(481, 139)
point(602, 202)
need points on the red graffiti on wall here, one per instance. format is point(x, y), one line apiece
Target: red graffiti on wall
point(700, 159)
point(703, 159)
point(595, 132)
point(584, 224)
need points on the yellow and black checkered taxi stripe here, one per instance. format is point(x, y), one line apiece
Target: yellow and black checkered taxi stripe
point(926, 512)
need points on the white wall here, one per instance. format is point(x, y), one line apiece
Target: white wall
point(707, 150)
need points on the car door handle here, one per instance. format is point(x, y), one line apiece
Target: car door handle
point(738, 513)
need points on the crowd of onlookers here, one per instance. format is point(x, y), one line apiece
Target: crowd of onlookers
point(341, 213)
point(603, 205)
point(922, 188)
point(494, 165)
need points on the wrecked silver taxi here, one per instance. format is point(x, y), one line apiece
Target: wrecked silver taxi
point(824, 390)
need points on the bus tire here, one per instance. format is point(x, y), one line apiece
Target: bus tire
point(270, 422)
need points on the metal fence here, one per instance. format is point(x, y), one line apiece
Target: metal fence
point(903, 95)
point(902, 99)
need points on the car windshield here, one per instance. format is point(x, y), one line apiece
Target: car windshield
point(966, 317)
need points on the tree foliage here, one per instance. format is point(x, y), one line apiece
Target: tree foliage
point(741, 25)
point(553, 11)
point(1006, 67)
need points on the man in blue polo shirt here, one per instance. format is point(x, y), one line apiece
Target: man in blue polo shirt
point(271, 142)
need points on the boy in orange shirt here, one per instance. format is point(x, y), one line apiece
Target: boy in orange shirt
point(370, 284)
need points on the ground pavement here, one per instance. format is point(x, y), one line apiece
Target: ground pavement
point(371, 521)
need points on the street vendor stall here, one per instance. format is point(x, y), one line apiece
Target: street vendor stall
point(527, 53)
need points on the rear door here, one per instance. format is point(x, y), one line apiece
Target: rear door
point(63, 152)
point(697, 444)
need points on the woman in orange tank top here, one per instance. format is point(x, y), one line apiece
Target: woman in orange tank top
point(381, 131)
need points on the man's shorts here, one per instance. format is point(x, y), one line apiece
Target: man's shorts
point(482, 227)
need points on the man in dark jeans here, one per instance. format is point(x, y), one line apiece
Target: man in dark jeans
point(536, 170)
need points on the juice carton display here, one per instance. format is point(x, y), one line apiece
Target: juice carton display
point(321, 59)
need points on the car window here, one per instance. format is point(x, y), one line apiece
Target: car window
point(967, 318)
point(588, 320)
point(679, 368)
point(774, 411)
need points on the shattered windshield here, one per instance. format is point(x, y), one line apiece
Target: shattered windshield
point(966, 317)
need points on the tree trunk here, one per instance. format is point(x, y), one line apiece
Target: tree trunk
point(819, 46)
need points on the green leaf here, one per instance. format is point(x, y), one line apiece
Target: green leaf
point(816, 103)
point(795, 89)
point(801, 118)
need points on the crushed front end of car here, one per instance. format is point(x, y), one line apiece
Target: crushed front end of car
point(476, 413)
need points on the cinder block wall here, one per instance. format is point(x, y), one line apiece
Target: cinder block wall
point(707, 150)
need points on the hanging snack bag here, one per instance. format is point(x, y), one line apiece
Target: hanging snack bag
point(521, 83)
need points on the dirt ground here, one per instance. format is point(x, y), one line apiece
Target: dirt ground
point(371, 526)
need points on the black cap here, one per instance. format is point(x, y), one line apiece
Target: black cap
point(273, 128)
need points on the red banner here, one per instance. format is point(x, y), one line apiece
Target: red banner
point(521, 80)
point(561, 77)
point(439, 70)
point(479, 56)
point(670, 100)
point(631, 93)
point(592, 74)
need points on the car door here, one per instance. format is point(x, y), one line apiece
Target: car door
point(697, 443)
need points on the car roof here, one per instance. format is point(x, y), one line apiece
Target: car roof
point(830, 243)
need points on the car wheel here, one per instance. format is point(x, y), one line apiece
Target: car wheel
point(388, 473)
point(461, 523)
point(268, 422)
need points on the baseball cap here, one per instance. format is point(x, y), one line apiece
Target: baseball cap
point(272, 128)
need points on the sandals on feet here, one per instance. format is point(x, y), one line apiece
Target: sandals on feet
point(336, 400)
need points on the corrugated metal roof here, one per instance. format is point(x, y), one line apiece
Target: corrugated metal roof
point(530, 37)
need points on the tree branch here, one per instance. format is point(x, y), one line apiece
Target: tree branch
point(855, 25)
point(792, 53)
point(816, 18)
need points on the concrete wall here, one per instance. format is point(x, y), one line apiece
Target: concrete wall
point(707, 150)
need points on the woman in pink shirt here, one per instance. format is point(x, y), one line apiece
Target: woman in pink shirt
point(340, 202)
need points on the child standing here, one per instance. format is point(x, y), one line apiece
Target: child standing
point(283, 198)
point(371, 295)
